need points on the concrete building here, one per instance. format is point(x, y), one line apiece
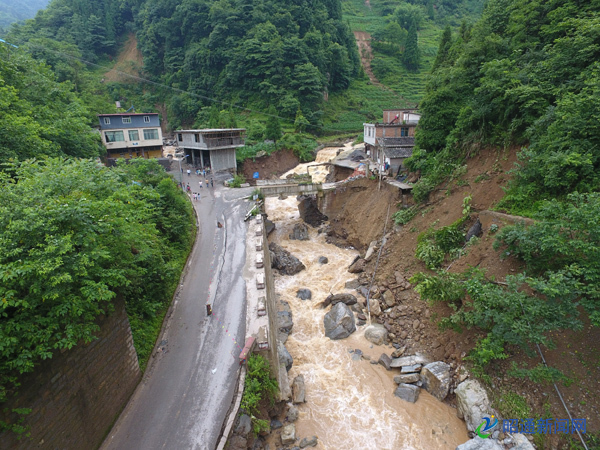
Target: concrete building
point(213, 148)
point(393, 140)
point(131, 135)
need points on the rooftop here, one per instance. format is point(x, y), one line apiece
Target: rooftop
point(128, 114)
point(211, 130)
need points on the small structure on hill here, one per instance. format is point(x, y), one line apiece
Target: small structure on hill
point(391, 142)
point(131, 135)
point(211, 148)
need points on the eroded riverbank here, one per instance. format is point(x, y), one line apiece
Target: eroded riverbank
point(350, 404)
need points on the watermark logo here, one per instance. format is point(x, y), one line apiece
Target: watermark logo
point(489, 424)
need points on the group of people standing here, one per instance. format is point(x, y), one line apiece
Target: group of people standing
point(196, 195)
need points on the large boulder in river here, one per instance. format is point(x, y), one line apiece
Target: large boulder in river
point(300, 232)
point(284, 261)
point(348, 299)
point(298, 390)
point(376, 333)
point(408, 392)
point(472, 403)
point(309, 212)
point(339, 322)
point(304, 294)
point(436, 379)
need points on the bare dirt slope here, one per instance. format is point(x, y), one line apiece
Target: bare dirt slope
point(272, 166)
point(363, 40)
point(129, 62)
point(358, 216)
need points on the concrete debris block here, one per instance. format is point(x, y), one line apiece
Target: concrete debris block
point(339, 322)
point(285, 392)
point(288, 434)
point(377, 334)
point(292, 414)
point(284, 356)
point(309, 442)
point(521, 442)
point(298, 390)
point(408, 392)
point(407, 379)
point(436, 379)
point(472, 403)
point(410, 361)
point(385, 361)
point(304, 294)
point(411, 369)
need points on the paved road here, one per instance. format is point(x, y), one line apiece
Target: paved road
point(188, 387)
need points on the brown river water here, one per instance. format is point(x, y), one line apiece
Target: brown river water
point(350, 404)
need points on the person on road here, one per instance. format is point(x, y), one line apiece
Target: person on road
point(206, 184)
point(211, 183)
point(189, 172)
point(200, 183)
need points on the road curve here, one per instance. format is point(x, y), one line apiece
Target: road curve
point(183, 398)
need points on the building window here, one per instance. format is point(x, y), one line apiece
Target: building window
point(146, 119)
point(127, 119)
point(196, 137)
point(151, 134)
point(404, 132)
point(134, 135)
point(114, 136)
point(107, 121)
point(180, 137)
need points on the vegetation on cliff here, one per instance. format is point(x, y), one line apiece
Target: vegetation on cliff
point(525, 75)
point(74, 236)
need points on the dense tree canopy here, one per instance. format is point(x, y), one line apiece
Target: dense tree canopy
point(527, 73)
point(73, 236)
point(283, 53)
point(39, 116)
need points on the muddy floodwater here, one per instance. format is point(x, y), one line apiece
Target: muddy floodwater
point(350, 404)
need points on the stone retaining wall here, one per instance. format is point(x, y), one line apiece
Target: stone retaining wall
point(77, 394)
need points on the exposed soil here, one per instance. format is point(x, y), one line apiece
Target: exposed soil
point(363, 40)
point(269, 167)
point(358, 215)
point(129, 61)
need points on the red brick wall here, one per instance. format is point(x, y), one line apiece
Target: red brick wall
point(77, 394)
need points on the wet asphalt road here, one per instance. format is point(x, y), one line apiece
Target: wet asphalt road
point(188, 387)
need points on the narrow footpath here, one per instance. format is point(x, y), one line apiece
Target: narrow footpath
point(189, 383)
